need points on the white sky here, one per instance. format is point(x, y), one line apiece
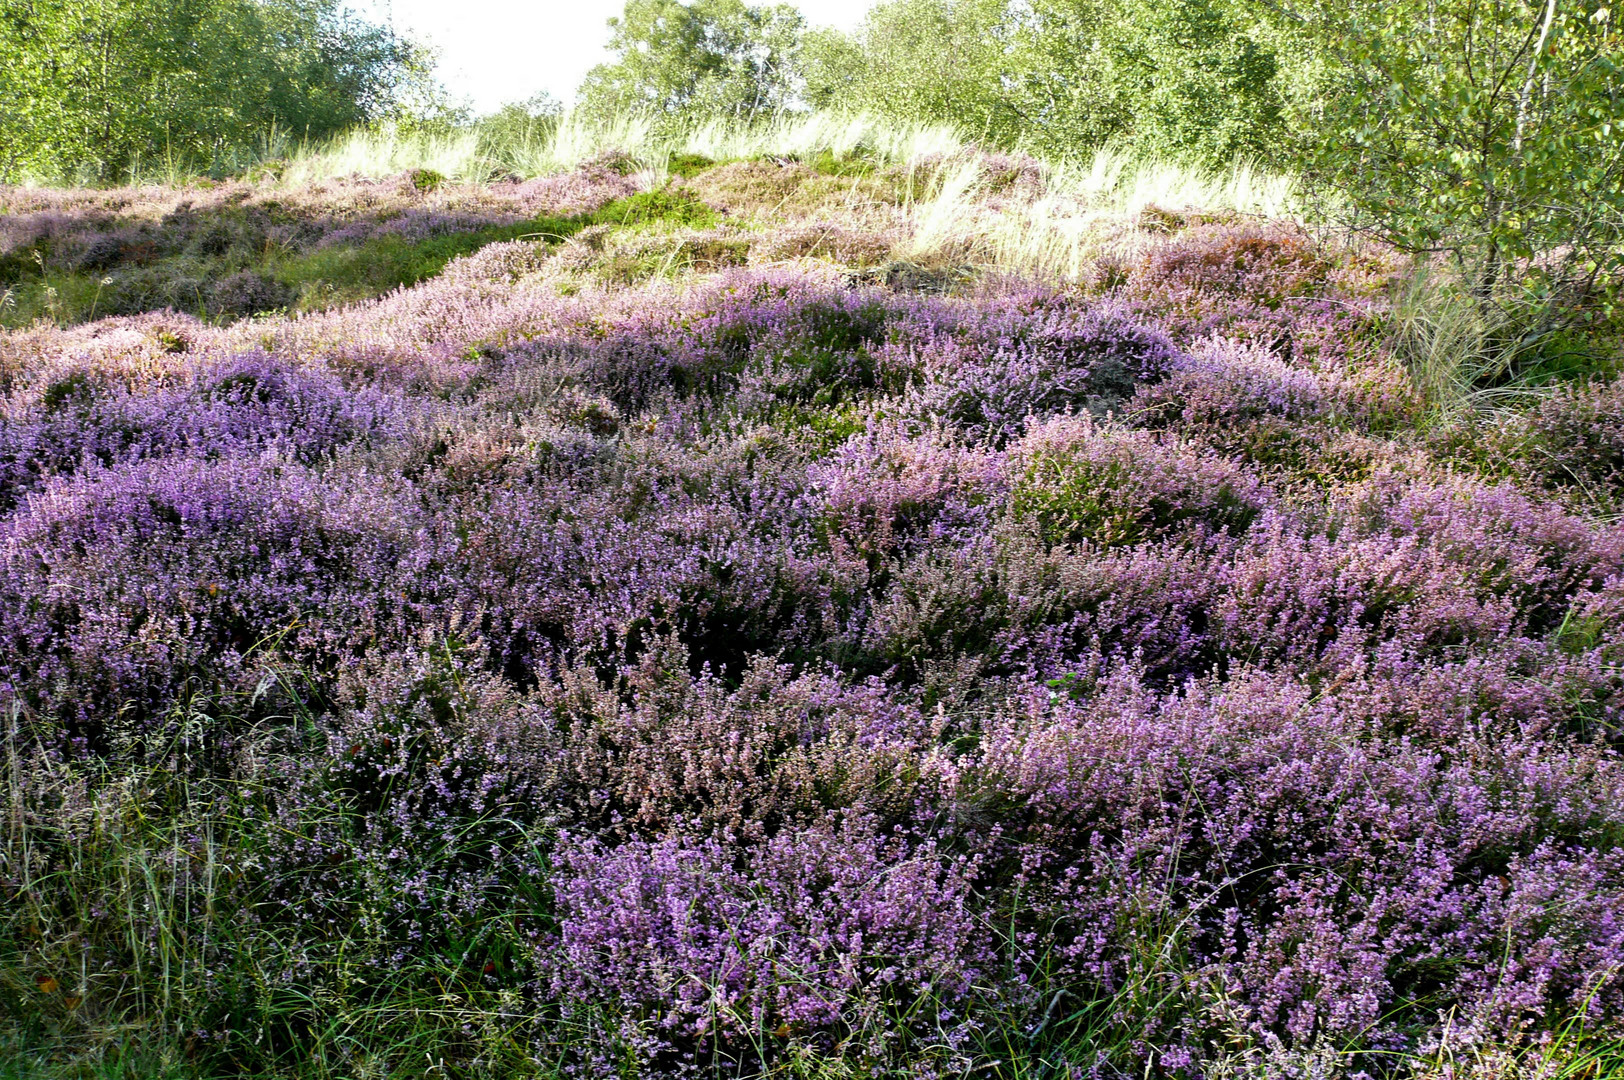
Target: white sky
point(496, 51)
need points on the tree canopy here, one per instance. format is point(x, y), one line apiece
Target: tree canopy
point(99, 88)
point(708, 58)
point(1487, 131)
point(1189, 77)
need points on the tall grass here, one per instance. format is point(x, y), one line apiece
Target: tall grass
point(378, 152)
point(1059, 234)
point(137, 908)
point(1112, 178)
point(1471, 354)
point(553, 146)
point(1085, 210)
point(886, 142)
point(1461, 353)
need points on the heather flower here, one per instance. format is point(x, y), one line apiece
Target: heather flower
point(1579, 437)
point(1033, 355)
point(825, 932)
point(882, 487)
point(1082, 482)
point(121, 584)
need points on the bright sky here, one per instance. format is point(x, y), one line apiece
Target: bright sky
point(496, 51)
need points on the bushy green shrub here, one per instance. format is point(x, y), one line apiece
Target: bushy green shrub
point(1483, 135)
point(1193, 78)
point(121, 87)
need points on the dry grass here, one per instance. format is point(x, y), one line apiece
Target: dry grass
point(1080, 215)
point(553, 148)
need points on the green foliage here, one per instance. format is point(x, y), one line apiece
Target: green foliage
point(426, 179)
point(710, 58)
point(1488, 133)
point(509, 137)
point(1062, 77)
point(1194, 77)
point(100, 89)
point(688, 165)
point(924, 59)
point(344, 273)
point(521, 121)
point(663, 207)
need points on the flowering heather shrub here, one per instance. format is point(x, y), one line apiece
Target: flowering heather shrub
point(804, 746)
point(130, 350)
point(240, 250)
point(773, 338)
point(1082, 483)
point(1580, 437)
point(470, 209)
point(770, 671)
point(120, 585)
point(1319, 878)
point(1069, 608)
point(1534, 554)
point(883, 487)
point(1226, 383)
point(832, 930)
point(812, 346)
point(248, 406)
point(1264, 283)
point(1263, 262)
point(1034, 355)
point(1298, 598)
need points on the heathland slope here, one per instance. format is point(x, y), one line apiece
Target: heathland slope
point(816, 614)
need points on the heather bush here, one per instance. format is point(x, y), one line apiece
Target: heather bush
point(822, 239)
point(833, 937)
point(883, 488)
point(1321, 871)
point(1078, 482)
point(1071, 607)
point(1578, 436)
point(1036, 355)
point(1272, 409)
point(246, 406)
point(1535, 555)
point(124, 584)
point(1264, 283)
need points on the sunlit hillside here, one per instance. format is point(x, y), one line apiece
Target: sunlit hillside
point(814, 599)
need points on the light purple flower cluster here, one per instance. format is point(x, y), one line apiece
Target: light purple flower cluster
point(770, 665)
point(246, 406)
